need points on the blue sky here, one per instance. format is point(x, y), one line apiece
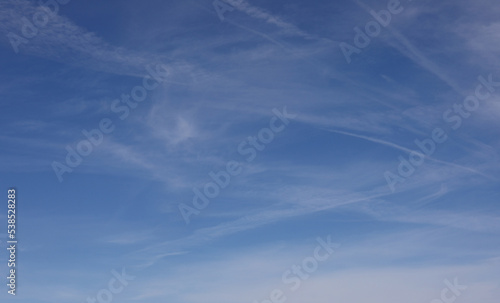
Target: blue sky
point(432, 74)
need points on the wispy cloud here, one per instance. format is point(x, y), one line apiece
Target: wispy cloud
point(258, 13)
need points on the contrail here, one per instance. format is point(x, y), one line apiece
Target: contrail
point(402, 148)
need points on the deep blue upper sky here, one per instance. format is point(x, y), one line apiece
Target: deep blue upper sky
point(357, 105)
